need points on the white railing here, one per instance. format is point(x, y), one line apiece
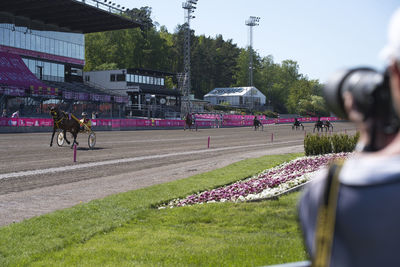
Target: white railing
point(103, 6)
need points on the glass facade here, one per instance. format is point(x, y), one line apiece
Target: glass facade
point(45, 70)
point(134, 78)
point(70, 45)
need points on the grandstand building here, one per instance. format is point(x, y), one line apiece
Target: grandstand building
point(145, 89)
point(42, 55)
point(245, 97)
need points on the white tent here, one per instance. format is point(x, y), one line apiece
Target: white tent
point(236, 96)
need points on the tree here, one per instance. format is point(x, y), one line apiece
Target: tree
point(299, 90)
point(215, 62)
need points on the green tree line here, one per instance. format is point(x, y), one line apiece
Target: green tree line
point(215, 62)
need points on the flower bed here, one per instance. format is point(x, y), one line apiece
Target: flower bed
point(267, 184)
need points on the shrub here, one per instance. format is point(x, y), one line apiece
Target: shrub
point(270, 114)
point(315, 144)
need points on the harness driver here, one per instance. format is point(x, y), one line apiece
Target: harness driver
point(85, 120)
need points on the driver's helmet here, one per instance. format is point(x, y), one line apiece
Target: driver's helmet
point(53, 111)
point(84, 114)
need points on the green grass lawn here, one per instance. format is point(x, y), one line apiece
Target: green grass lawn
point(126, 230)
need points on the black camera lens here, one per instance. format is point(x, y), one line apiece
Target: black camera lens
point(362, 83)
point(371, 95)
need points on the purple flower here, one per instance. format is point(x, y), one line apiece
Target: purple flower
point(271, 178)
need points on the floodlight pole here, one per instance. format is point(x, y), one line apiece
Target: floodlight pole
point(251, 22)
point(189, 6)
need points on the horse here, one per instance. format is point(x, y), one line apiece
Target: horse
point(189, 122)
point(63, 122)
point(328, 125)
point(257, 124)
point(296, 125)
point(319, 125)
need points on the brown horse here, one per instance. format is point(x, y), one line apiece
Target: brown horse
point(63, 122)
point(190, 122)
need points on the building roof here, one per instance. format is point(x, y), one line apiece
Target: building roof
point(79, 16)
point(230, 91)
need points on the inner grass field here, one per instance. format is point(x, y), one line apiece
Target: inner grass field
point(127, 230)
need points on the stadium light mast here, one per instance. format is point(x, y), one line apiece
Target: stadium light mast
point(189, 6)
point(251, 22)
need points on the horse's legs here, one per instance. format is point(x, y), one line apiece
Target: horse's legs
point(73, 142)
point(74, 134)
point(52, 136)
point(65, 137)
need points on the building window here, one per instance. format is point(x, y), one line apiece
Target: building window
point(12, 38)
point(17, 39)
point(112, 78)
point(121, 77)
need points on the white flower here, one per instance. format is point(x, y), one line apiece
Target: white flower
point(281, 178)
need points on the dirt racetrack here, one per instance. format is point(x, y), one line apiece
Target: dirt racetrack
point(37, 179)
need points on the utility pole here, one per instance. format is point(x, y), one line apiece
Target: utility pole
point(251, 22)
point(189, 6)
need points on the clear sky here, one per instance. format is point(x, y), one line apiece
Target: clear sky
point(321, 35)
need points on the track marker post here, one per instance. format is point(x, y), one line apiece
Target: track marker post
point(74, 152)
point(208, 144)
point(272, 137)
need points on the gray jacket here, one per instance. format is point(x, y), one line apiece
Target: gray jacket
point(367, 229)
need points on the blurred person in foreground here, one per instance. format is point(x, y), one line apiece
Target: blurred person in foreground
point(348, 213)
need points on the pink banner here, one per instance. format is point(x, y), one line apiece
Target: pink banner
point(13, 91)
point(3, 122)
point(132, 123)
point(103, 122)
point(26, 122)
point(116, 123)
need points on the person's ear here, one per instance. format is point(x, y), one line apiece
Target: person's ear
point(395, 69)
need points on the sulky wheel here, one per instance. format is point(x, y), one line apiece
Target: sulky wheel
point(92, 140)
point(60, 139)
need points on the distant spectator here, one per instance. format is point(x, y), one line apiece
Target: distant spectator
point(4, 113)
point(94, 115)
point(15, 114)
